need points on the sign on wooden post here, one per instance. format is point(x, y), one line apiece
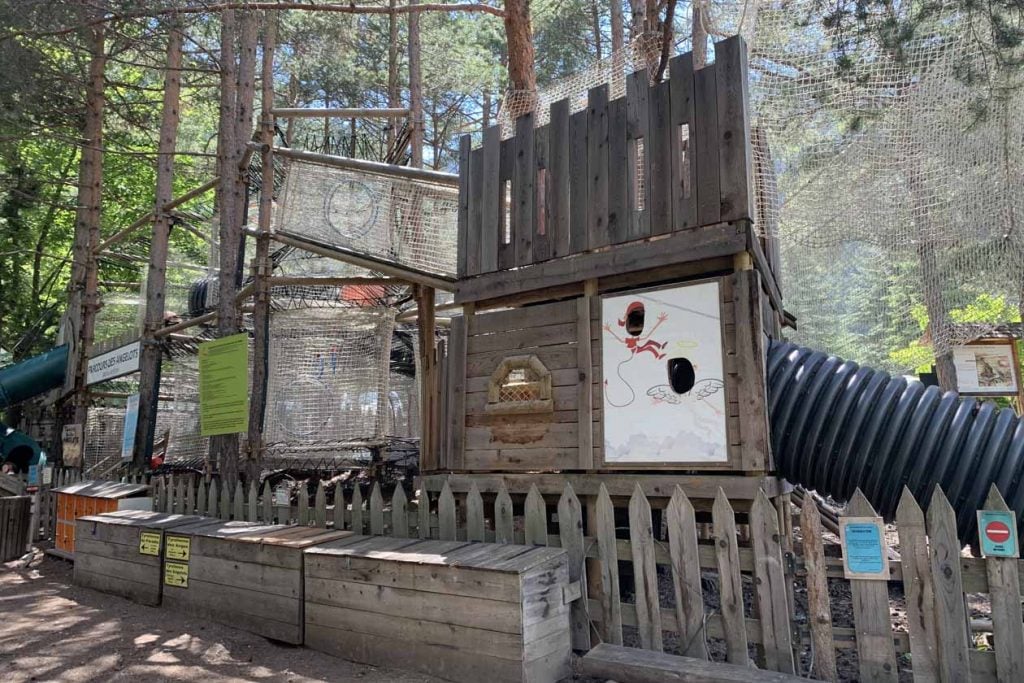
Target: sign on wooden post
point(224, 385)
point(863, 540)
point(71, 444)
point(131, 421)
point(112, 364)
point(997, 531)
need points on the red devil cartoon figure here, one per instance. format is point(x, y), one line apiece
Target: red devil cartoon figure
point(633, 322)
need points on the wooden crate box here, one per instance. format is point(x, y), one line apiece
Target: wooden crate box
point(241, 574)
point(84, 498)
point(121, 552)
point(460, 611)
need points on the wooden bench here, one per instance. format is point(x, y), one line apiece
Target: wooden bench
point(633, 665)
point(242, 574)
point(474, 612)
point(121, 552)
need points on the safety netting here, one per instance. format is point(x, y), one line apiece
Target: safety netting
point(328, 380)
point(896, 172)
point(104, 432)
point(407, 222)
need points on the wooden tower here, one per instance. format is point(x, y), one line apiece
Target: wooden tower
point(617, 300)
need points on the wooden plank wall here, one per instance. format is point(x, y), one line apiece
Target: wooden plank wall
point(461, 611)
point(566, 336)
point(15, 516)
point(531, 441)
point(665, 157)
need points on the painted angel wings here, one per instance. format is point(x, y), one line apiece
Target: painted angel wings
point(701, 390)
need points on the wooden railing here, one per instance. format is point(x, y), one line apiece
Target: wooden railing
point(666, 157)
point(734, 575)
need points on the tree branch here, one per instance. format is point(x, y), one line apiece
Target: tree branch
point(309, 6)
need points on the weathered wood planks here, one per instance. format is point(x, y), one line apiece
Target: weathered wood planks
point(661, 158)
point(463, 611)
point(875, 651)
point(15, 519)
point(612, 662)
point(243, 574)
point(111, 557)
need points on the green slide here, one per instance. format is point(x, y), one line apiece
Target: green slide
point(20, 382)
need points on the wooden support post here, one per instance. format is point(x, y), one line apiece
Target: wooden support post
point(82, 288)
point(264, 266)
point(149, 362)
point(876, 655)
point(428, 398)
point(415, 89)
point(585, 365)
point(236, 78)
point(1004, 587)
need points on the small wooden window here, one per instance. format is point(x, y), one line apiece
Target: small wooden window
point(520, 384)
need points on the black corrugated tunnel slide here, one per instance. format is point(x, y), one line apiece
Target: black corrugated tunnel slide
point(837, 427)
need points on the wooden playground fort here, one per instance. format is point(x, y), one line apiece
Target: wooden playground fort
point(611, 284)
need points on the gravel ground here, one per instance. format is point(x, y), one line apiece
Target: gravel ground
point(51, 630)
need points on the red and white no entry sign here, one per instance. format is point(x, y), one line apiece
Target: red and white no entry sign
point(997, 532)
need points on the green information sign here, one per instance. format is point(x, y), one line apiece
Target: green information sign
point(224, 386)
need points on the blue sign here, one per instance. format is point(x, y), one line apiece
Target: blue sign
point(997, 531)
point(131, 421)
point(33, 475)
point(864, 555)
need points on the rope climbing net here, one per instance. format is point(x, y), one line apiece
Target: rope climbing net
point(328, 380)
point(408, 222)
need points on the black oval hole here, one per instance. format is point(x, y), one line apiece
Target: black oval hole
point(680, 375)
point(635, 319)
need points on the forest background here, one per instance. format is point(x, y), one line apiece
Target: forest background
point(854, 294)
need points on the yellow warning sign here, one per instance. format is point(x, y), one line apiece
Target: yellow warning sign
point(177, 548)
point(149, 543)
point(176, 574)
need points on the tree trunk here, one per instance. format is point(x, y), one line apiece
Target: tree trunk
point(700, 35)
point(232, 242)
point(394, 93)
point(595, 22)
point(618, 33)
point(938, 315)
point(939, 323)
point(83, 296)
point(650, 16)
point(636, 20)
point(224, 449)
point(519, 37)
point(667, 29)
point(149, 363)
point(415, 89)
point(261, 290)
point(243, 129)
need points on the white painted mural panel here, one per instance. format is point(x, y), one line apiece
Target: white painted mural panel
point(664, 398)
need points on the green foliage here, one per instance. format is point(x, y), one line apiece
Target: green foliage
point(985, 309)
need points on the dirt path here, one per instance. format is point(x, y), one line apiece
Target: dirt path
point(51, 630)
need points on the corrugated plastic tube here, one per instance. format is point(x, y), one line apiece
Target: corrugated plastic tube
point(837, 426)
